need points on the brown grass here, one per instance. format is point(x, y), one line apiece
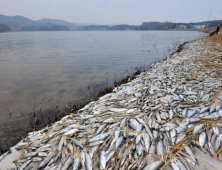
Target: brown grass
point(214, 40)
point(208, 29)
point(212, 60)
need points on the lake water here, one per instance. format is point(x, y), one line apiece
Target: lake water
point(47, 70)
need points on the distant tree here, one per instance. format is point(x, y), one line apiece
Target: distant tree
point(157, 25)
point(96, 27)
point(54, 28)
point(123, 27)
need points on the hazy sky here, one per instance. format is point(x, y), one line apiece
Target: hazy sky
point(114, 11)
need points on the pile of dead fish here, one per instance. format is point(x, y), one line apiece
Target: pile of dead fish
point(152, 122)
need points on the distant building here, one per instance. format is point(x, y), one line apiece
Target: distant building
point(181, 27)
point(198, 26)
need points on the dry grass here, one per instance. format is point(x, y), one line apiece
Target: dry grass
point(216, 41)
point(212, 59)
point(208, 29)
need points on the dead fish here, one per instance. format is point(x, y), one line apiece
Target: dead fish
point(102, 160)
point(101, 128)
point(77, 143)
point(119, 141)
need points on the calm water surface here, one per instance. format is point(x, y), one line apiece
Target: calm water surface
point(46, 70)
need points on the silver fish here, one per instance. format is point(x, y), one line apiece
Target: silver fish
point(163, 115)
point(147, 141)
point(211, 148)
point(190, 152)
point(99, 137)
point(203, 139)
point(138, 138)
point(30, 154)
point(173, 165)
point(192, 113)
point(139, 128)
point(134, 121)
point(71, 132)
point(117, 135)
point(88, 163)
point(205, 109)
point(154, 165)
point(83, 158)
point(148, 130)
point(118, 109)
point(96, 143)
point(198, 128)
point(160, 148)
point(180, 129)
point(218, 108)
point(220, 112)
point(55, 167)
point(212, 108)
point(155, 134)
point(212, 116)
point(101, 128)
point(108, 156)
point(151, 151)
point(179, 164)
point(24, 165)
point(36, 159)
point(42, 154)
point(185, 111)
point(180, 138)
point(61, 143)
point(77, 143)
point(119, 142)
point(173, 134)
point(215, 130)
point(133, 126)
point(158, 116)
point(67, 163)
point(217, 142)
point(102, 160)
point(47, 159)
point(194, 119)
point(139, 148)
point(171, 114)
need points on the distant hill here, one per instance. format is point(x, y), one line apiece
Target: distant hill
point(34, 28)
point(54, 28)
point(4, 28)
point(16, 22)
point(58, 22)
point(22, 23)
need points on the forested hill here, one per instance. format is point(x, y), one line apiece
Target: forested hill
point(4, 28)
point(16, 22)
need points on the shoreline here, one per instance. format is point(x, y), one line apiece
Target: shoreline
point(107, 30)
point(45, 98)
point(84, 118)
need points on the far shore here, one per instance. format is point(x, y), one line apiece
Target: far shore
point(106, 30)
